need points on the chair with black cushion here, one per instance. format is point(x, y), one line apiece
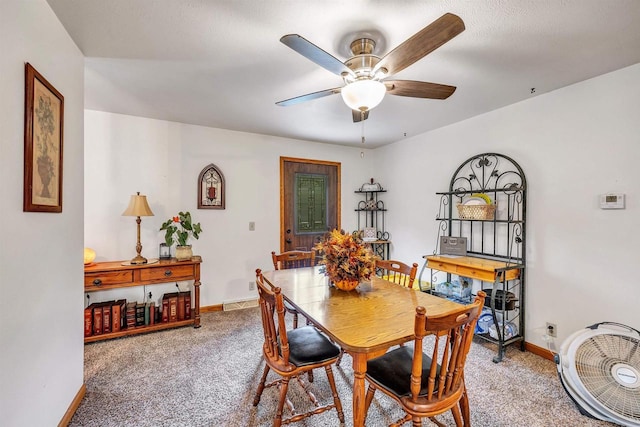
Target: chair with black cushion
point(429, 381)
point(397, 272)
point(292, 353)
point(293, 259)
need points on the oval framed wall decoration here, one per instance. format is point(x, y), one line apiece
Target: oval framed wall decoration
point(211, 188)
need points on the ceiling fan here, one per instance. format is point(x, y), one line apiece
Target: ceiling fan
point(364, 73)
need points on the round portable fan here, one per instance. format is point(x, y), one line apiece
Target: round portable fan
point(599, 368)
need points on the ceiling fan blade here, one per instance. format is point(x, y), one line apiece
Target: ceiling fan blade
point(420, 44)
point(416, 89)
point(357, 115)
point(308, 97)
point(310, 51)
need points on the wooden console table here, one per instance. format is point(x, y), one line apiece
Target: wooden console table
point(114, 275)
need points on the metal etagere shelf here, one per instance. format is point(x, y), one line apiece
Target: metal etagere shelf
point(371, 212)
point(498, 240)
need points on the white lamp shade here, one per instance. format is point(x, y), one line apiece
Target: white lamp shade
point(363, 95)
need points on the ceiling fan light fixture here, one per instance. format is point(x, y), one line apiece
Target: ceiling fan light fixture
point(363, 95)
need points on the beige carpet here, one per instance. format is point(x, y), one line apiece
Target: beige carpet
point(208, 377)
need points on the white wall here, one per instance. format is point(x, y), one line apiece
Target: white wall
point(41, 272)
point(125, 154)
point(573, 144)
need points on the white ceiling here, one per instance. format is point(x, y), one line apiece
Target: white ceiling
point(219, 63)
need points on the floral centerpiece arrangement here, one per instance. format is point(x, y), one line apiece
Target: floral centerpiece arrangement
point(178, 229)
point(346, 258)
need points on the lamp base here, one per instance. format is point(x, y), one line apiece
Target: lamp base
point(138, 260)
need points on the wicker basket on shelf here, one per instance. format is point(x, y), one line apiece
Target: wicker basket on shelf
point(476, 211)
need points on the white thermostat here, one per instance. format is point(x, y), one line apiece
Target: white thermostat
point(612, 201)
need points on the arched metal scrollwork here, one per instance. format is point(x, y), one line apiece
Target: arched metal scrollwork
point(502, 180)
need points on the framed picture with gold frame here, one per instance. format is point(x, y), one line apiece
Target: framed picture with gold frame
point(43, 130)
point(211, 188)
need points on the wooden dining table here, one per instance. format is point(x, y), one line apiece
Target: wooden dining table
point(365, 322)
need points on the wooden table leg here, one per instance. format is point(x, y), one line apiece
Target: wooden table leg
point(359, 370)
point(196, 308)
point(196, 296)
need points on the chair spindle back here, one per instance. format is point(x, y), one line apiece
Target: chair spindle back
point(452, 335)
point(293, 259)
point(397, 272)
point(276, 344)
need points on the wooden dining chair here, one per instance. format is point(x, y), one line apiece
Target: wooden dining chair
point(293, 259)
point(397, 272)
point(429, 385)
point(292, 353)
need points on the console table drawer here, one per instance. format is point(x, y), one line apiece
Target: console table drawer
point(476, 268)
point(487, 276)
point(96, 280)
point(173, 272)
point(460, 270)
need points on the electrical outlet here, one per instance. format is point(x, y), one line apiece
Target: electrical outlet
point(552, 331)
point(252, 286)
point(252, 226)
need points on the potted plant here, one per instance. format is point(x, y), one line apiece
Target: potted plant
point(178, 229)
point(346, 258)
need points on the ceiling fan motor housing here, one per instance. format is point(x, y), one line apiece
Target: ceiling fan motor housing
point(363, 62)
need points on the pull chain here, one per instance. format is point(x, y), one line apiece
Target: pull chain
point(362, 121)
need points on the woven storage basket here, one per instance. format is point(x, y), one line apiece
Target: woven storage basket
point(476, 211)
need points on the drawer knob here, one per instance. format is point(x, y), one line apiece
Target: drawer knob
point(97, 282)
point(167, 273)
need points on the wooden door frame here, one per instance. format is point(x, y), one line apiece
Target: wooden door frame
point(338, 190)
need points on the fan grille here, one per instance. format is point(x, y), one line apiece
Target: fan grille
point(609, 368)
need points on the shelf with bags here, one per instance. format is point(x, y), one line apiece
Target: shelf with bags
point(503, 295)
point(499, 323)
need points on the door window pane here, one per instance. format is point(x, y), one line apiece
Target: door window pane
point(310, 203)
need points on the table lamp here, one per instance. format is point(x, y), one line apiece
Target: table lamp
point(89, 256)
point(138, 207)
